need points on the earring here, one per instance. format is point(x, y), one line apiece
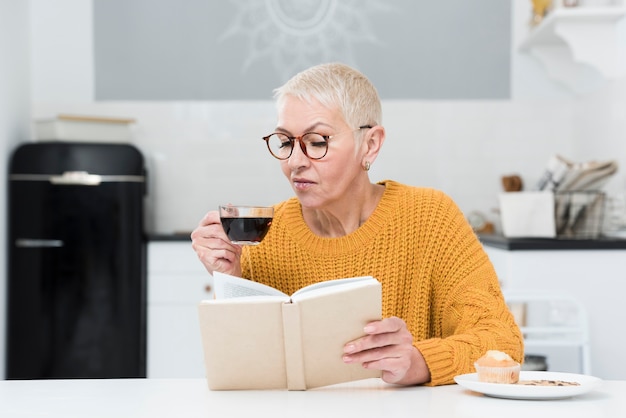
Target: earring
point(367, 166)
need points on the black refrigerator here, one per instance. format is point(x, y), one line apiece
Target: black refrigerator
point(76, 279)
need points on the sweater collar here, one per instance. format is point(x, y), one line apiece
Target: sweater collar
point(351, 242)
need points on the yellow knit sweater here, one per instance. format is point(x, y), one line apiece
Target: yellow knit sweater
point(434, 273)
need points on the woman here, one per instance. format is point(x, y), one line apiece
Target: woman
point(442, 305)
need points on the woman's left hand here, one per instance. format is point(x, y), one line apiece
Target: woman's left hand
point(388, 346)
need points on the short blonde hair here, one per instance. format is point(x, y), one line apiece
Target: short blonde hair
point(336, 85)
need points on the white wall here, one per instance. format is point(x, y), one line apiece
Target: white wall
point(201, 154)
point(14, 112)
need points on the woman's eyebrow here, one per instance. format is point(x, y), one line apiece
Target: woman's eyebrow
point(311, 128)
point(282, 130)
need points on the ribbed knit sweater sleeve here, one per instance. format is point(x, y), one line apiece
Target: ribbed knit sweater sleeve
point(434, 273)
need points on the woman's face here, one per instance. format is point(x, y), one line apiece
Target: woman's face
point(319, 183)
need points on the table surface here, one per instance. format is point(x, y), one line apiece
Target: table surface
point(190, 398)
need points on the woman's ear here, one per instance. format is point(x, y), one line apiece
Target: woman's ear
point(373, 141)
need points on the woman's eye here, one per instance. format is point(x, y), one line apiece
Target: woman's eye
point(318, 144)
point(315, 141)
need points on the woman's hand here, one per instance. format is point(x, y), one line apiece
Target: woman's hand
point(213, 247)
point(388, 346)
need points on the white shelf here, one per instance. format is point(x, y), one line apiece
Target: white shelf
point(569, 37)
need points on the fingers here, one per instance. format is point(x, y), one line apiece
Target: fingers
point(387, 347)
point(213, 247)
point(389, 331)
point(393, 362)
point(387, 325)
point(211, 217)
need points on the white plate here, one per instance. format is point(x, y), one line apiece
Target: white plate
point(511, 391)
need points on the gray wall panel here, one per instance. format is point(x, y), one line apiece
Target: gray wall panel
point(242, 49)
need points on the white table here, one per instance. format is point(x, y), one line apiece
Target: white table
point(191, 398)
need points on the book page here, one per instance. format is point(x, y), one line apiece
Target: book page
point(227, 286)
point(317, 287)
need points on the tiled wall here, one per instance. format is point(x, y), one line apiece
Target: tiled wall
point(200, 154)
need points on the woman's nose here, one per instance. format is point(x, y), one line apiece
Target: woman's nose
point(298, 158)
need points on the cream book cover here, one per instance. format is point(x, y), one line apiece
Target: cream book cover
point(255, 337)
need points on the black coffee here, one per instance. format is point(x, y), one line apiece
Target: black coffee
point(246, 229)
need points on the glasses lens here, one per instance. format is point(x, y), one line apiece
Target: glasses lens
point(316, 145)
point(280, 145)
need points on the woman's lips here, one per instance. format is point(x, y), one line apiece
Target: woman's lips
point(301, 184)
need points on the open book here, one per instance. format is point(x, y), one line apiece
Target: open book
point(256, 337)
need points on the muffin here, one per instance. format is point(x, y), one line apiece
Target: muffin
point(497, 367)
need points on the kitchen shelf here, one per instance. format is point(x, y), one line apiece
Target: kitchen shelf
point(570, 37)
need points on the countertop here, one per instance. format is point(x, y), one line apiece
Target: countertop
point(495, 241)
point(190, 398)
point(176, 236)
point(512, 244)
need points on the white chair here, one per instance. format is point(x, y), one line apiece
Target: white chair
point(549, 319)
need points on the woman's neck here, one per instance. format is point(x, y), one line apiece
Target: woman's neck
point(343, 218)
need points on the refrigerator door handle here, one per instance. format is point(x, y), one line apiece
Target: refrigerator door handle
point(38, 243)
point(82, 178)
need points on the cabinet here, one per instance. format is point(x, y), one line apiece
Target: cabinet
point(594, 277)
point(177, 282)
point(569, 39)
point(553, 322)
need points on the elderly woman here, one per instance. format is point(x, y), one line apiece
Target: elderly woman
point(442, 304)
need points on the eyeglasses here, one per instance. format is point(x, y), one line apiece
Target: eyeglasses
point(312, 144)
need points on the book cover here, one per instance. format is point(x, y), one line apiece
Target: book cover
point(256, 337)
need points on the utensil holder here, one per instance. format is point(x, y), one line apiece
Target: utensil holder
point(579, 214)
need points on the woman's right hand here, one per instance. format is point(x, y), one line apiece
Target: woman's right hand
point(213, 247)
